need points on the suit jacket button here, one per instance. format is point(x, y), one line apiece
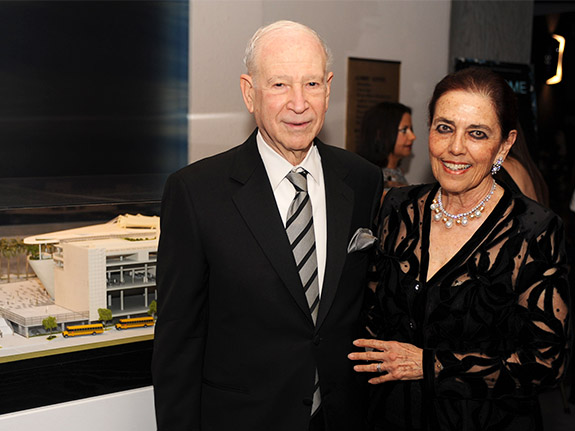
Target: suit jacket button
point(307, 401)
point(316, 340)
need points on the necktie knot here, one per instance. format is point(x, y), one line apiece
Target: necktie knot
point(298, 179)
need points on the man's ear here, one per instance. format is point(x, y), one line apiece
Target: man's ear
point(247, 86)
point(328, 89)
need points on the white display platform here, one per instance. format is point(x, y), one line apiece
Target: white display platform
point(127, 411)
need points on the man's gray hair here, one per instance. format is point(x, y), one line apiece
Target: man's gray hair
point(250, 56)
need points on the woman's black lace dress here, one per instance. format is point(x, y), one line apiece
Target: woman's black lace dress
point(495, 316)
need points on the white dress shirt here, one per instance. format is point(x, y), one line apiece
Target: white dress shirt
point(277, 168)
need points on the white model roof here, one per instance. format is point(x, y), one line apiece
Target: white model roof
point(123, 226)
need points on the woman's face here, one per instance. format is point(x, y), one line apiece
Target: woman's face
point(405, 138)
point(464, 142)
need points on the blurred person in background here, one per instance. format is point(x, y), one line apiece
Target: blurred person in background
point(520, 173)
point(386, 139)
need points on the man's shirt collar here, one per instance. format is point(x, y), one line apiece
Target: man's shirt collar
point(277, 167)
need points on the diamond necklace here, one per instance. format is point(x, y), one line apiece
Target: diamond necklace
point(462, 218)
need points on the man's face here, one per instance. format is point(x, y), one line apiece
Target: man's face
point(289, 92)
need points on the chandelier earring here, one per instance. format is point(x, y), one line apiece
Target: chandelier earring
point(497, 165)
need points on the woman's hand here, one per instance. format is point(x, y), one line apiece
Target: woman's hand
point(391, 360)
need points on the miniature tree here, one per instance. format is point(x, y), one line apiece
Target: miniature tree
point(18, 251)
point(49, 323)
point(105, 314)
point(32, 253)
point(11, 251)
point(3, 244)
point(153, 308)
point(8, 251)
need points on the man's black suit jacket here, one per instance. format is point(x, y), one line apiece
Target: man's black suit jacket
point(235, 346)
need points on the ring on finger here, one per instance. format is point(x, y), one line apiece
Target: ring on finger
point(378, 367)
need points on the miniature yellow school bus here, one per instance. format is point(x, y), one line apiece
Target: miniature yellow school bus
point(91, 329)
point(135, 322)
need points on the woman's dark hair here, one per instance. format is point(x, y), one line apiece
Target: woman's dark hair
point(379, 130)
point(482, 81)
point(520, 152)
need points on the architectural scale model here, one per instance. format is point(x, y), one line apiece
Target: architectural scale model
point(110, 265)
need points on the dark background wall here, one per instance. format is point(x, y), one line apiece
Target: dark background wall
point(93, 113)
point(491, 30)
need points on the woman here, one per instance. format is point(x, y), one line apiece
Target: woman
point(519, 172)
point(470, 315)
point(386, 138)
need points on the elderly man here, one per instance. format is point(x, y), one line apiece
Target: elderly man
point(258, 296)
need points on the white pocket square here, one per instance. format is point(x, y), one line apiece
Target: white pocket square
point(362, 239)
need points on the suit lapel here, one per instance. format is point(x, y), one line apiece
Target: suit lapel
point(256, 203)
point(339, 198)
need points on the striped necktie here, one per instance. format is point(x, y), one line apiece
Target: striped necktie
point(299, 228)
